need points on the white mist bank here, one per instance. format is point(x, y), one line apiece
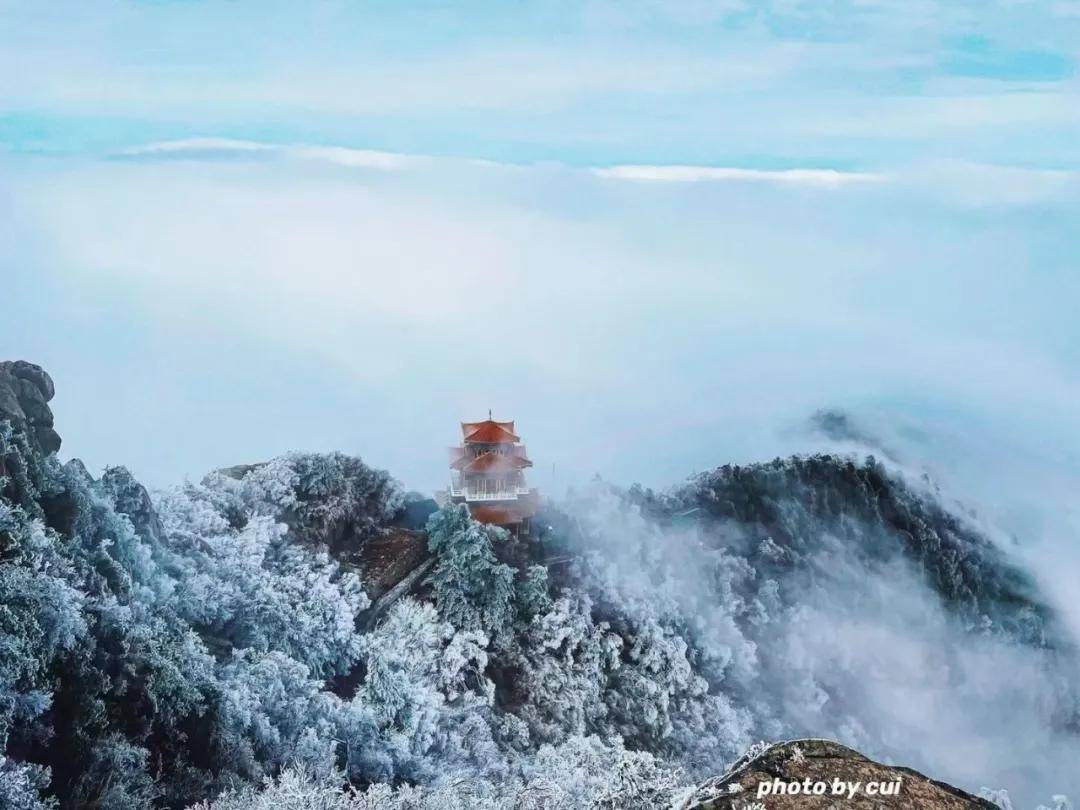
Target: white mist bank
point(863, 652)
point(639, 330)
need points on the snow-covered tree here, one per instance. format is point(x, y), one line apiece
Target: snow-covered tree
point(425, 701)
point(473, 590)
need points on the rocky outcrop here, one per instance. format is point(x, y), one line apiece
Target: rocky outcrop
point(811, 774)
point(132, 499)
point(25, 391)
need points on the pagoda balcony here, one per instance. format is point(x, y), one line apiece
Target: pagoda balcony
point(473, 494)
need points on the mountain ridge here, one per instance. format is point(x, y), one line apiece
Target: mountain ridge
point(670, 634)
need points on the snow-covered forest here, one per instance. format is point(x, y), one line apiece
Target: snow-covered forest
point(210, 646)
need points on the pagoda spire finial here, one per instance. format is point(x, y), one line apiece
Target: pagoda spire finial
point(489, 414)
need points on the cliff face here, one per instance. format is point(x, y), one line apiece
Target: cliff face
point(27, 422)
point(25, 391)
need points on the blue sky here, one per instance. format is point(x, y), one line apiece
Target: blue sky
point(659, 234)
point(774, 84)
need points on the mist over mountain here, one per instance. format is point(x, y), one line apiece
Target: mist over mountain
point(307, 621)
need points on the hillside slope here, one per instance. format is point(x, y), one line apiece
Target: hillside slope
point(161, 649)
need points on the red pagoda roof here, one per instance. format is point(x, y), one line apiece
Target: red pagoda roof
point(495, 462)
point(461, 458)
point(489, 432)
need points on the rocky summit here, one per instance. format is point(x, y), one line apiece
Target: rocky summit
point(25, 392)
point(810, 774)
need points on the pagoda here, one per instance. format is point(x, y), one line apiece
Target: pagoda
point(487, 474)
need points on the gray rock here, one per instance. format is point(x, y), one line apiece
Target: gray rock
point(48, 439)
point(33, 403)
point(814, 762)
point(32, 373)
point(10, 409)
point(25, 390)
point(131, 498)
point(239, 471)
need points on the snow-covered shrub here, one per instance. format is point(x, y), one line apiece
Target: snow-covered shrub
point(426, 695)
point(473, 590)
point(583, 773)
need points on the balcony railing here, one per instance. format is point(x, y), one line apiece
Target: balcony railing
point(507, 493)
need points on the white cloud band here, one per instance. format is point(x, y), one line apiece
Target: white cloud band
point(830, 178)
point(235, 149)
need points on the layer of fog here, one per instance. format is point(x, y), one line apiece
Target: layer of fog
point(638, 330)
point(867, 654)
